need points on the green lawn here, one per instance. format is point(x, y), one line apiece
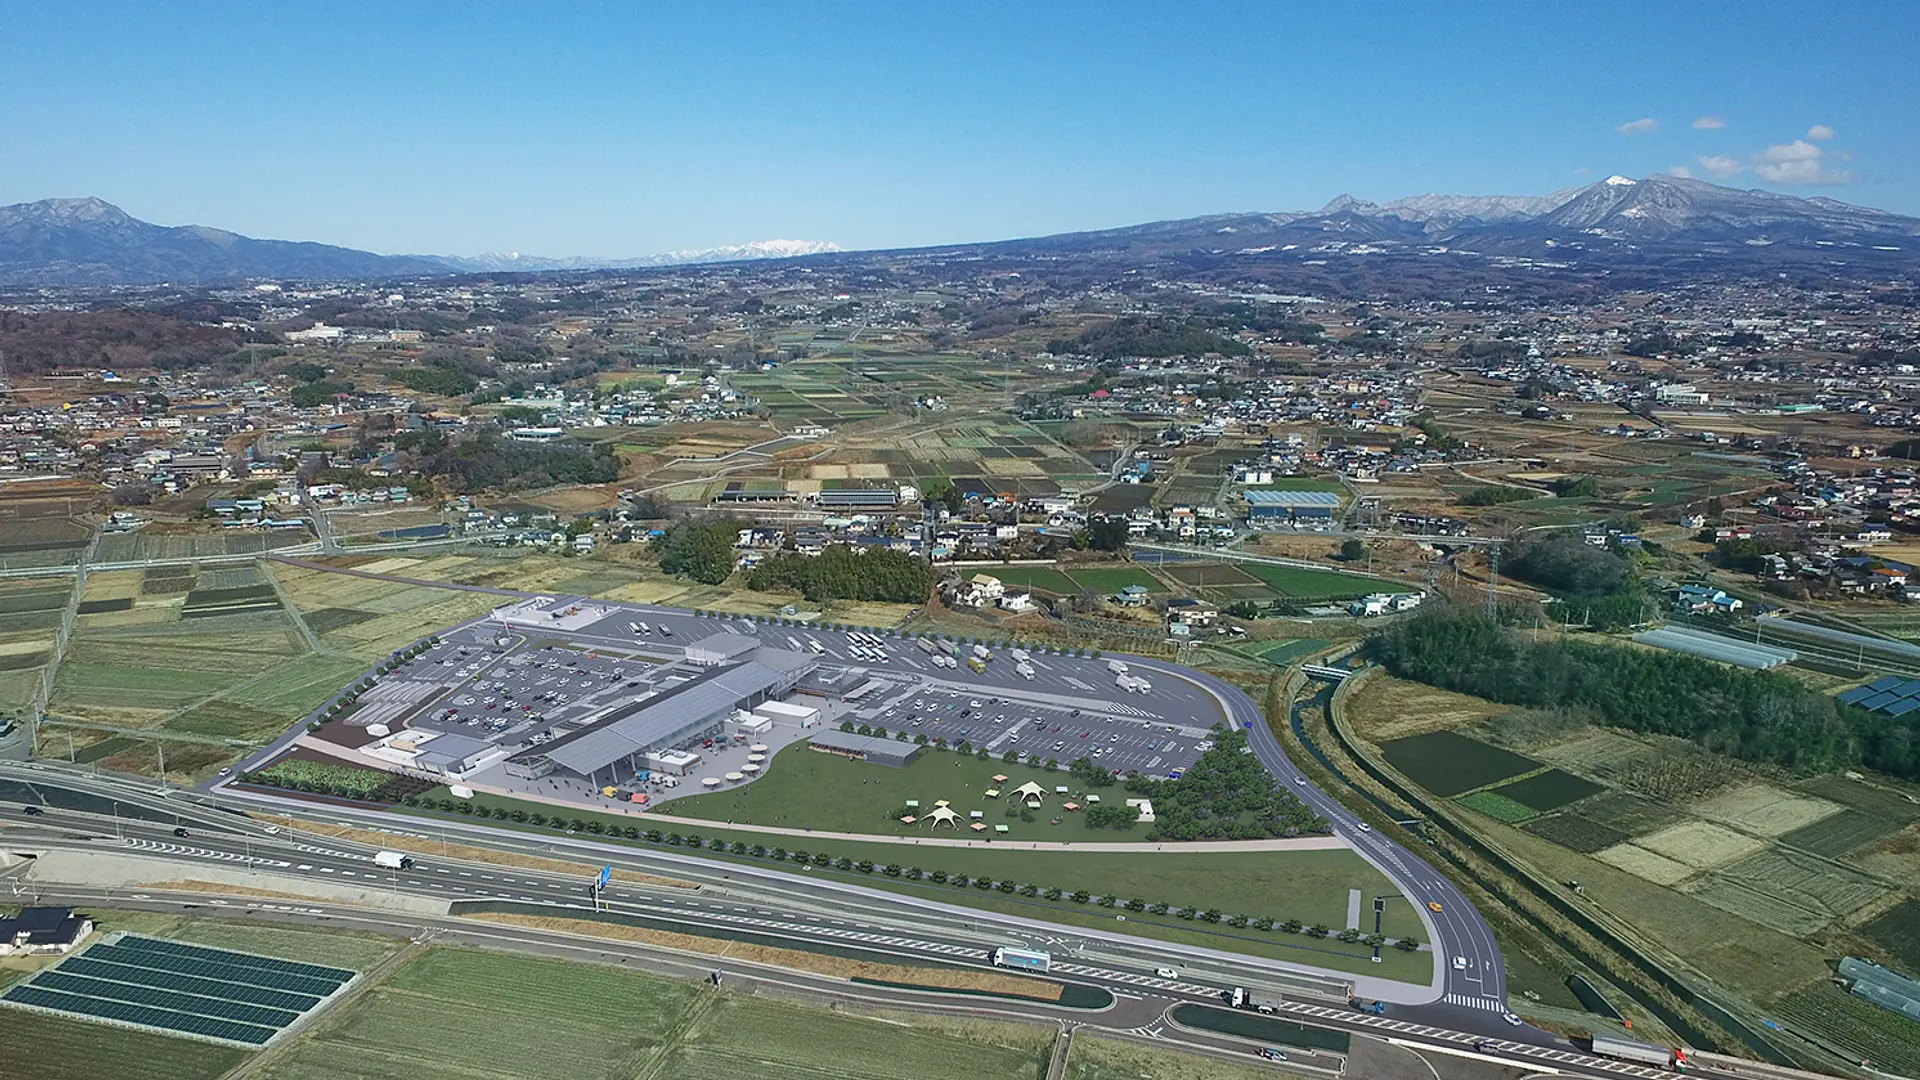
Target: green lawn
point(1303, 584)
point(807, 789)
point(1310, 886)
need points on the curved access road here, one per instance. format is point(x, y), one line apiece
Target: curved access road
point(1474, 975)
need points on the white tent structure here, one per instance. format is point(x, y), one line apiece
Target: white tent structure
point(1030, 793)
point(943, 814)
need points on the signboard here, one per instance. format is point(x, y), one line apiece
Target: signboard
point(606, 875)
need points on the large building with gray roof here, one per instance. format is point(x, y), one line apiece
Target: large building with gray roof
point(739, 674)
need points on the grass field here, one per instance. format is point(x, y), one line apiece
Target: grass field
point(463, 1013)
point(35, 1046)
point(737, 1037)
point(1032, 577)
point(1095, 1058)
point(1576, 833)
point(1112, 579)
point(807, 789)
point(1310, 886)
point(1498, 807)
point(334, 948)
point(1449, 763)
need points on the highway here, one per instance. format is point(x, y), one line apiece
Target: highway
point(780, 909)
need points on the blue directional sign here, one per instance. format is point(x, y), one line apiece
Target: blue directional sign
point(606, 875)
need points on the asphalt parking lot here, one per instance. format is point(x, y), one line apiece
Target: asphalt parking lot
point(1041, 730)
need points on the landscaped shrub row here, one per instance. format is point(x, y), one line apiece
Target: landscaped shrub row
point(997, 643)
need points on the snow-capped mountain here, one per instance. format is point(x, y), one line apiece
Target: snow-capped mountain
point(508, 262)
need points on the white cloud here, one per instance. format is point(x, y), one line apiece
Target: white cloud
point(1797, 162)
point(1639, 127)
point(1722, 166)
point(1820, 132)
point(1681, 171)
point(1709, 123)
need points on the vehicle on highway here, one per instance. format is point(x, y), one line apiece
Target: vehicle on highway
point(179, 831)
point(1433, 906)
point(1364, 827)
point(1459, 963)
point(393, 860)
point(1301, 780)
point(1271, 1054)
point(1643, 1053)
point(1242, 998)
point(1022, 959)
point(31, 811)
point(1166, 973)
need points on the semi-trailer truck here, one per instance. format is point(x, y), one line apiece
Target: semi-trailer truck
point(1644, 1053)
point(393, 860)
point(926, 646)
point(1022, 959)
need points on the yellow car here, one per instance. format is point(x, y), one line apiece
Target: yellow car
point(1433, 905)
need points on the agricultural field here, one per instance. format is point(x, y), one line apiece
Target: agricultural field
point(1897, 932)
point(36, 1046)
point(1105, 580)
point(1448, 763)
point(1549, 790)
point(1862, 1029)
point(1576, 832)
point(1299, 583)
point(30, 610)
point(447, 1013)
point(741, 1036)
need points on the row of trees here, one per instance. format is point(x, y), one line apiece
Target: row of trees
point(1225, 795)
point(1757, 716)
point(844, 573)
point(701, 550)
point(848, 864)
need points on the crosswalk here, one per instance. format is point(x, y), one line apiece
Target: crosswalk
point(1471, 1002)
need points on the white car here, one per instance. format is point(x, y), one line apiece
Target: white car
point(1166, 973)
point(1459, 963)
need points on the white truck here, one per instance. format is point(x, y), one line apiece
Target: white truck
point(1118, 667)
point(926, 645)
point(1025, 671)
point(1644, 1053)
point(393, 860)
point(1019, 655)
point(1023, 959)
point(981, 652)
point(1242, 998)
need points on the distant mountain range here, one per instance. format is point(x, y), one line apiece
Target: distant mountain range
point(92, 242)
point(1658, 230)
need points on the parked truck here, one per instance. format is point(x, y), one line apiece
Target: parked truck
point(1023, 959)
point(926, 646)
point(1257, 1001)
point(1019, 655)
point(981, 652)
point(976, 665)
point(393, 860)
point(1644, 1053)
point(1025, 671)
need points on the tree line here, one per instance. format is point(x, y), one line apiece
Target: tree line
point(845, 573)
point(1756, 716)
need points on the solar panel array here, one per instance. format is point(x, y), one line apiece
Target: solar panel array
point(182, 989)
point(1890, 694)
point(1714, 647)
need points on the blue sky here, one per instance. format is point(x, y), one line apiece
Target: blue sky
point(625, 129)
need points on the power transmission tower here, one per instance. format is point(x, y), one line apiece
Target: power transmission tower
point(1493, 580)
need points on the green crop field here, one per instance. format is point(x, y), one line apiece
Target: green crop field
point(1310, 886)
point(750, 1037)
point(35, 1046)
point(1576, 833)
point(1549, 790)
point(1284, 653)
point(1114, 578)
point(1300, 583)
point(1449, 763)
point(1498, 807)
point(1031, 577)
point(1210, 574)
point(1889, 1040)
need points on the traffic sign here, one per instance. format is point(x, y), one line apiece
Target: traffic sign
point(606, 875)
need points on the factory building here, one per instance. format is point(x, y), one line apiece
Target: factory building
point(1285, 507)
